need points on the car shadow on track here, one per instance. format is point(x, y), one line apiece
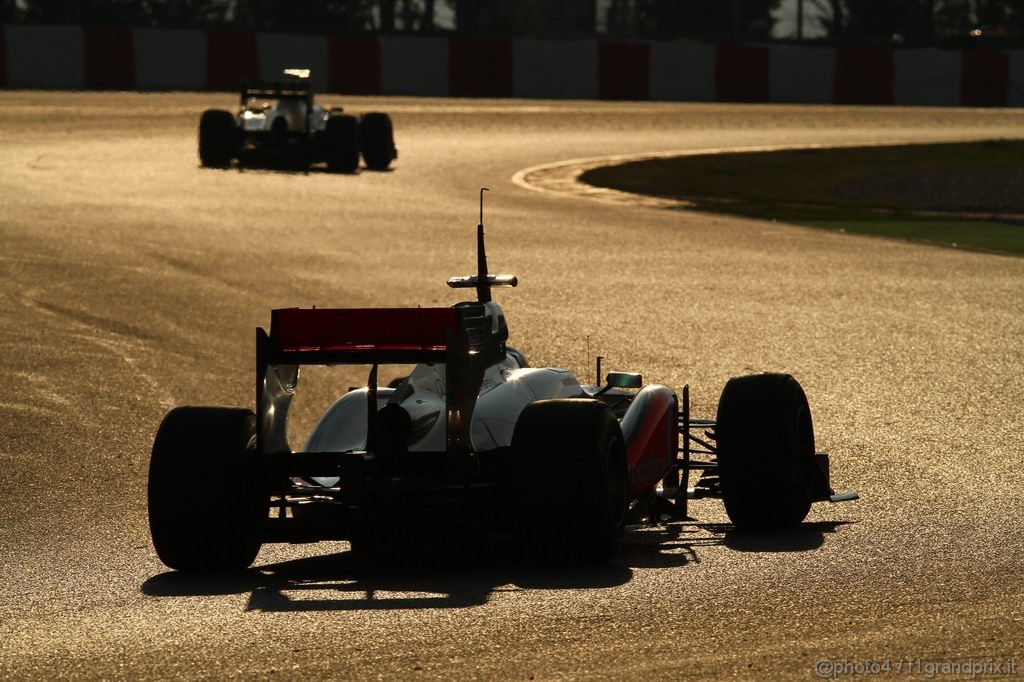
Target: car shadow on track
point(416, 578)
point(676, 543)
point(803, 538)
point(465, 576)
point(292, 169)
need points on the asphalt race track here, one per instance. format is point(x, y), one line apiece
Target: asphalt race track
point(131, 281)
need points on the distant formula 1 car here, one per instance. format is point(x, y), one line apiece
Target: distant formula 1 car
point(473, 439)
point(277, 122)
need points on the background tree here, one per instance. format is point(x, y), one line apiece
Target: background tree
point(706, 19)
point(920, 22)
point(916, 21)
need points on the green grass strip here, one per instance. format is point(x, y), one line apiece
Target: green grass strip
point(963, 234)
point(868, 190)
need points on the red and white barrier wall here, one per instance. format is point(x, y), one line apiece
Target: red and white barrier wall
point(71, 57)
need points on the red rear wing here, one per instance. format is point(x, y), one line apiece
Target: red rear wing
point(383, 332)
point(459, 337)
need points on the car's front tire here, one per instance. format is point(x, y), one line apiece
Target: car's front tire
point(570, 494)
point(206, 502)
point(765, 440)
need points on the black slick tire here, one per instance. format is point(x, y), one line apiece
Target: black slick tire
point(341, 143)
point(377, 138)
point(570, 482)
point(217, 138)
point(206, 503)
point(765, 440)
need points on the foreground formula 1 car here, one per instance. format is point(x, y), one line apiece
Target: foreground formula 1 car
point(473, 438)
point(277, 122)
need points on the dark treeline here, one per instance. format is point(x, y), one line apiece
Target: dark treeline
point(667, 19)
point(919, 22)
point(912, 22)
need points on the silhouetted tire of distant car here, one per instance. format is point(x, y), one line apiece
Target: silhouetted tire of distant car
point(377, 138)
point(278, 138)
point(341, 143)
point(765, 440)
point(217, 138)
point(571, 467)
point(206, 503)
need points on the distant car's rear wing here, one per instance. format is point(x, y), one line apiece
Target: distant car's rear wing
point(291, 88)
point(460, 337)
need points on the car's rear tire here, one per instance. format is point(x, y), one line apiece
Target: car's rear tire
point(341, 143)
point(765, 440)
point(206, 502)
point(217, 138)
point(377, 138)
point(571, 481)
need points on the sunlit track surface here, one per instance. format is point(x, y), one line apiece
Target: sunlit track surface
point(132, 281)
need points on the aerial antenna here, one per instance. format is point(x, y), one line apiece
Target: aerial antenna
point(482, 281)
point(483, 286)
